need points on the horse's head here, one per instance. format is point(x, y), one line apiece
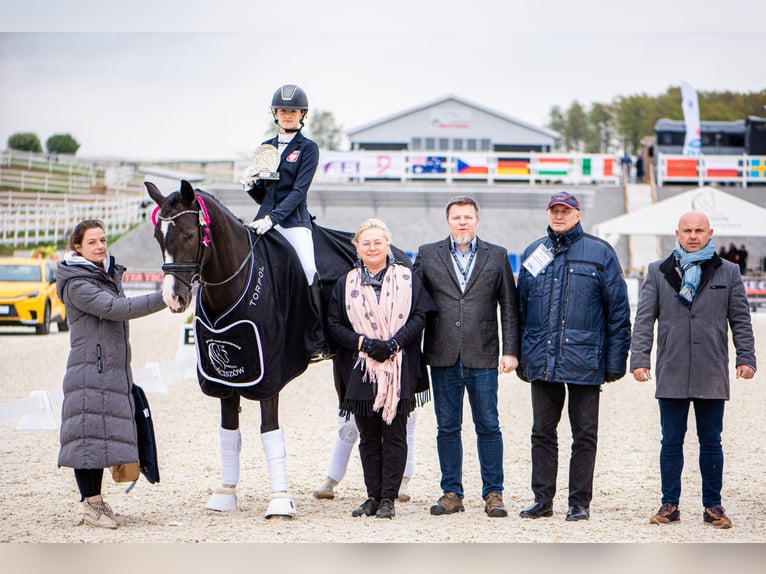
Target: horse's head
point(179, 228)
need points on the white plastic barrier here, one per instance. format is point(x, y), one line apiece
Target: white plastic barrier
point(40, 410)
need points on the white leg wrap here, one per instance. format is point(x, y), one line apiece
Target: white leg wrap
point(280, 504)
point(223, 500)
point(231, 444)
point(409, 468)
point(274, 448)
point(347, 436)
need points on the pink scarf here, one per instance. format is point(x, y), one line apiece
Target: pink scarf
point(381, 320)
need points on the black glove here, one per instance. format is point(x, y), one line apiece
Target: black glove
point(611, 377)
point(375, 349)
point(393, 346)
point(521, 372)
point(366, 345)
point(379, 351)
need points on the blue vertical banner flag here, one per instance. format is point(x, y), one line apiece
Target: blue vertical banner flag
point(693, 141)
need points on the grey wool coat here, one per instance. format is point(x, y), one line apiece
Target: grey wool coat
point(97, 425)
point(465, 324)
point(692, 343)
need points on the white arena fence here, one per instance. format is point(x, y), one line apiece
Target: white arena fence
point(358, 166)
point(31, 219)
point(742, 170)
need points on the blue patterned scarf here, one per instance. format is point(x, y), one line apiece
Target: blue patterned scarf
point(690, 267)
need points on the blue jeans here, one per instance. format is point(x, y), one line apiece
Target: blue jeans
point(449, 385)
point(674, 414)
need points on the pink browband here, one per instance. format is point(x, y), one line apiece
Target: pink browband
point(155, 211)
point(204, 219)
point(204, 222)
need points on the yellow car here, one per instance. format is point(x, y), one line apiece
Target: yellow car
point(28, 294)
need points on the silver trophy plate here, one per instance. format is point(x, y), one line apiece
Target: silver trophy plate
point(266, 161)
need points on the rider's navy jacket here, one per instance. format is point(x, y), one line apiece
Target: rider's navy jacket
point(575, 315)
point(284, 200)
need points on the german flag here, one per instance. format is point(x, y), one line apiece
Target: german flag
point(515, 166)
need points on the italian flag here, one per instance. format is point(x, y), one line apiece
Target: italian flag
point(598, 166)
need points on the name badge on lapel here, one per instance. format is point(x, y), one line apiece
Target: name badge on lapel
point(538, 260)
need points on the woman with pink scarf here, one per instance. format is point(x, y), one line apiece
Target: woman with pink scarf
point(376, 315)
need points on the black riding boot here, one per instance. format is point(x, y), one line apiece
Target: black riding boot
point(324, 351)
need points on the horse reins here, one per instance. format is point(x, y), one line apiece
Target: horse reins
point(205, 240)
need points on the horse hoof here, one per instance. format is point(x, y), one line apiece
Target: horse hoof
point(280, 506)
point(223, 500)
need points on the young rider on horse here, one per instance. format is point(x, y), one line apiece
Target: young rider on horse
point(283, 201)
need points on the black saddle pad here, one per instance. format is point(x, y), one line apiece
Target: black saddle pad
point(232, 355)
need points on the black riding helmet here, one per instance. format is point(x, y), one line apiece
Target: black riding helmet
point(290, 97)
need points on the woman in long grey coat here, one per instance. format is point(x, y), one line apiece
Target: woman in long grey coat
point(98, 428)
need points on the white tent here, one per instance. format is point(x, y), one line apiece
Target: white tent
point(729, 216)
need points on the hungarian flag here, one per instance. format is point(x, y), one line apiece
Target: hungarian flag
point(552, 165)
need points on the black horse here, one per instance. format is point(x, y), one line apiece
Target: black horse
point(256, 325)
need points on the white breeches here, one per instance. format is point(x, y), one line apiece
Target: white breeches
point(301, 240)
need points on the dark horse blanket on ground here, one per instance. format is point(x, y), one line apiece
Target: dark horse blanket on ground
point(268, 334)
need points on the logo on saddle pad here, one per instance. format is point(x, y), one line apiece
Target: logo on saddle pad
point(232, 356)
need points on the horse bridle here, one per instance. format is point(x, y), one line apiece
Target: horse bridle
point(205, 240)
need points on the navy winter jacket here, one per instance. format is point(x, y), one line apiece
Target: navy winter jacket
point(575, 315)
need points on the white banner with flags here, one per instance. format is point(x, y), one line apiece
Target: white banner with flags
point(693, 141)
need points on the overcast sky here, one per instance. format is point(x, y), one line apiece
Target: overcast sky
point(192, 79)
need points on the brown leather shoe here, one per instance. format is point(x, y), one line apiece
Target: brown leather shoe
point(493, 505)
point(716, 516)
point(449, 503)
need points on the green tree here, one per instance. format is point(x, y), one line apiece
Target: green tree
point(557, 123)
point(62, 143)
point(324, 130)
point(600, 129)
point(319, 125)
point(635, 119)
point(25, 141)
point(576, 127)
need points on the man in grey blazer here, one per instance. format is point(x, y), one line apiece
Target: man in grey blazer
point(694, 296)
point(469, 280)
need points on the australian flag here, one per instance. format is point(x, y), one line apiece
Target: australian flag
point(428, 164)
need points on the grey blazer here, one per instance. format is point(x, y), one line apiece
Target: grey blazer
point(692, 344)
point(466, 324)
